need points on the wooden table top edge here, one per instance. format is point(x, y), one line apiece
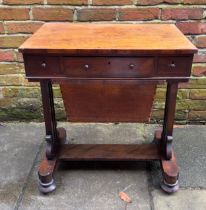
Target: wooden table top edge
point(105, 52)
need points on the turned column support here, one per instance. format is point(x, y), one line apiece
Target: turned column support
point(49, 118)
point(169, 114)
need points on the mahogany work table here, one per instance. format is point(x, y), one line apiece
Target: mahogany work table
point(108, 73)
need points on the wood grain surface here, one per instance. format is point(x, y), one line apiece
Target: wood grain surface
point(109, 152)
point(78, 38)
point(113, 102)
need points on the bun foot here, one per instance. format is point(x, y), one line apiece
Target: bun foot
point(47, 187)
point(46, 174)
point(170, 188)
point(170, 172)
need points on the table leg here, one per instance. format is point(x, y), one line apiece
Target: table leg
point(54, 137)
point(168, 162)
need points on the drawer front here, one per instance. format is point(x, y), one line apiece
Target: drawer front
point(42, 66)
point(108, 67)
point(174, 66)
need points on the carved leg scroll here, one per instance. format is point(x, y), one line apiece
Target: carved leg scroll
point(47, 167)
point(170, 169)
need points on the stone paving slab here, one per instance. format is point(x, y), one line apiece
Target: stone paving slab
point(95, 186)
point(189, 146)
point(187, 199)
point(19, 144)
point(91, 189)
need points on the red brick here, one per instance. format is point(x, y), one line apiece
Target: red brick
point(12, 41)
point(23, 2)
point(11, 68)
point(197, 115)
point(22, 27)
point(14, 13)
point(194, 2)
point(139, 14)
point(172, 1)
point(199, 71)
point(96, 14)
point(200, 41)
point(199, 58)
point(68, 2)
point(1, 28)
point(7, 55)
point(198, 94)
point(52, 14)
point(112, 2)
point(12, 80)
point(182, 13)
point(192, 27)
point(154, 2)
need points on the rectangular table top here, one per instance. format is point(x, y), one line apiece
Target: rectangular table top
point(97, 39)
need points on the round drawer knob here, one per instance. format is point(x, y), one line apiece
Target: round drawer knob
point(131, 66)
point(172, 65)
point(86, 66)
point(43, 65)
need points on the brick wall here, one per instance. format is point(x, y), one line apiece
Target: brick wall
point(20, 100)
